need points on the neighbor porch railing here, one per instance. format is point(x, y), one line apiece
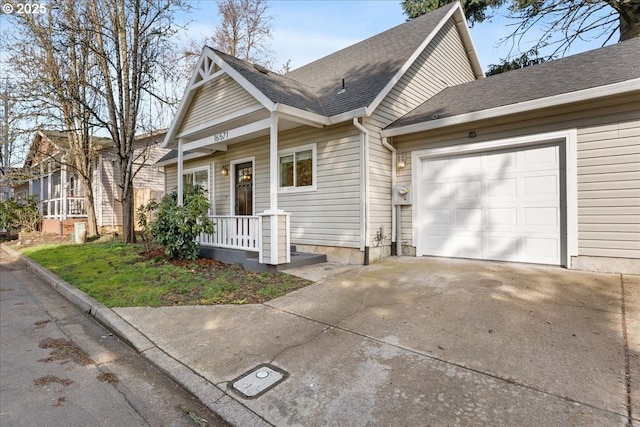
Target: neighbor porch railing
point(68, 207)
point(234, 232)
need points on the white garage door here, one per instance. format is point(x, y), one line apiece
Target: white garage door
point(502, 205)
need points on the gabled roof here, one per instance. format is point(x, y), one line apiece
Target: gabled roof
point(49, 143)
point(366, 67)
point(596, 73)
point(369, 69)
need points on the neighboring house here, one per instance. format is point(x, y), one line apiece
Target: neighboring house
point(60, 193)
point(403, 131)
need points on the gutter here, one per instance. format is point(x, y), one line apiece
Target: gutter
point(366, 212)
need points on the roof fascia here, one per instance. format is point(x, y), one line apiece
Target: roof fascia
point(189, 156)
point(627, 86)
point(349, 115)
point(383, 94)
point(183, 107)
point(313, 119)
point(470, 48)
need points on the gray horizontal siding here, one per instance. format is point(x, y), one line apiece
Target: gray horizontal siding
point(214, 99)
point(608, 167)
point(329, 216)
point(443, 63)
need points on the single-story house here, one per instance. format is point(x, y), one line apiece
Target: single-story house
point(400, 145)
point(61, 196)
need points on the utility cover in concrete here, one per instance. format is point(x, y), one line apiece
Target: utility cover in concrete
point(258, 381)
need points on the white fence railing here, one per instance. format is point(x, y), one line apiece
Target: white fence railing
point(234, 232)
point(70, 207)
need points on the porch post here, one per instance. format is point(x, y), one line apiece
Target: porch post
point(63, 188)
point(49, 188)
point(180, 168)
point(273, 165)
point(273, 187)
point(41, 198)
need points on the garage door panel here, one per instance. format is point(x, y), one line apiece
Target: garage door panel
point(438, 217)
point(503, 187)
point(542, 250)
point(501, 161)
point(502, 218)
point(543, 157)
point(468, 190)
point(468, 218)
point(541, 185)
point(505, 248)
point(503, 205)
point(537, 217)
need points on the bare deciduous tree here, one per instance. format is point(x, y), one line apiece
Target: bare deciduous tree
point(556, 23)
point(13, 144)
point(128, 38)
point(55, 67)
point(244, 31)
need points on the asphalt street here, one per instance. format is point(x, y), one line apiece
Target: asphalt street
point(59, 367)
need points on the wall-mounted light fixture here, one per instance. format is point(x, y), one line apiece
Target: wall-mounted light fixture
point(224, 171)
point(400, 163)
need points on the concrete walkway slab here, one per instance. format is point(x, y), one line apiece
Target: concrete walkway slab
point(424, 342)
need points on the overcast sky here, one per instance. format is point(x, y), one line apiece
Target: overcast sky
point(305, 30)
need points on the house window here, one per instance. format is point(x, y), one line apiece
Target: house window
point(298, 168)
point(200, 177)
point(197, 177)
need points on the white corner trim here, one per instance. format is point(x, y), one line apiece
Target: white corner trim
point(551, 101)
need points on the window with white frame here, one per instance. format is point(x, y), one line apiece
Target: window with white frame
point(297, 168)
point(195, 177)
point(200, 177)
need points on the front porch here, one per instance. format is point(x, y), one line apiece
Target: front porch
point(239, 239)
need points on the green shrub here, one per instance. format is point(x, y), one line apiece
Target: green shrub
point(176, 228)
point(20, 214)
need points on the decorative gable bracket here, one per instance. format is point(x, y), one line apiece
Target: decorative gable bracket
point(206, 70)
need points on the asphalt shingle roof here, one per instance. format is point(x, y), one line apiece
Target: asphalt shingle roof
point(367, 67)
point(600, 67)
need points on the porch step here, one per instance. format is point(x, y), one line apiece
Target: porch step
point(249, 260)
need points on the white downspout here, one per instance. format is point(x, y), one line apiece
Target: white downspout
point(394, 236)
point(367, 205)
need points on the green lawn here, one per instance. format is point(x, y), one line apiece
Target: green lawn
point(121, 275)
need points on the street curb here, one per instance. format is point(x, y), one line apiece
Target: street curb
point(208, 393)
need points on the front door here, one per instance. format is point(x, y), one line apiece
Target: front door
point(244, 188)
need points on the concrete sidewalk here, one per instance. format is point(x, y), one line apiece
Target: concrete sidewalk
point(411, 341)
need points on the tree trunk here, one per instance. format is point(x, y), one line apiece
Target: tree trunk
point(629, 20)
point(128, 217)
point(92, 221)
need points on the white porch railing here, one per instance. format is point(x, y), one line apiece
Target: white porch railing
point(234, 232)
point(69, 207)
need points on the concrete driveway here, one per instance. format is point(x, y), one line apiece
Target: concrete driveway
point(424, 341)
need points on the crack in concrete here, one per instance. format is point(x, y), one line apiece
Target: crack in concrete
point(627, 366)
point(458, 365)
